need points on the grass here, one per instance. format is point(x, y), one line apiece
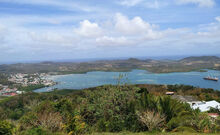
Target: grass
point(147, 133)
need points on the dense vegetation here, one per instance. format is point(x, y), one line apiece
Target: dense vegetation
point(30, 87)
point(131, 108)
point(157, 66)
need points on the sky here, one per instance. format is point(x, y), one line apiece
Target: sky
point(78, 29)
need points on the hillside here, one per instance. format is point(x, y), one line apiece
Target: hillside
point(202, 58)
point(107, 109)
point(157, 66)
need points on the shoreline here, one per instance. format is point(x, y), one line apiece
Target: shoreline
point(136, 80)
point(183, 71)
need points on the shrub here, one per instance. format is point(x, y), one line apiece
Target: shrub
point(6, 128)
point(75, 125)
point(35, 131)
point(152, 120)
point(102, 125)
point(44, 116)
point(116, 124)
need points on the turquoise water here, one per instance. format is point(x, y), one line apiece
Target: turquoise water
point(92, 79)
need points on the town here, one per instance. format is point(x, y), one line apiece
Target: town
point(19, 80)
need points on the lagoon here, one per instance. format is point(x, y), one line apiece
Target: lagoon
point(97, 78)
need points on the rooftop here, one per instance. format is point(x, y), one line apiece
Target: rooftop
point(205, 106)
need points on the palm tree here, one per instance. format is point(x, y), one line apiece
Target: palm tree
point(171, 107)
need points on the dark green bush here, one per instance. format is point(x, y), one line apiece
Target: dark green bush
point(6, 128)
point(36, 131)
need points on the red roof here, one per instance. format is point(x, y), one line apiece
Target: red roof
point(213, 114)
point(11, 94)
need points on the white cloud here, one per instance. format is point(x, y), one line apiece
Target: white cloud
point(134, 26)
point(53, 38)
point(130, 3)
point(88, 36)
point(217, 18)
point(122, 32)
point(2, 29)
point(200, 3)
point(3, 32)
point(155, 4)
point(113, 41)
point(88, 29)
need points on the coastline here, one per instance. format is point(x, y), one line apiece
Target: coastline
point(98, 78)
point(129, 70)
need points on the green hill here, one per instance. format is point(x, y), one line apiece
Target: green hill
point(201, 58)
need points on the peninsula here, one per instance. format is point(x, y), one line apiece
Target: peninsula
point(156, 66)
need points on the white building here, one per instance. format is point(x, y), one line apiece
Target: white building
point(19, 92)
point(204, 106)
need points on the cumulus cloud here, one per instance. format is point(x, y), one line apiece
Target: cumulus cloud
point(134, 26)
point(123, 32)
point(88, 36)
point(200, 3)
point(113, 41)
point(88, 29)
point(217, 18)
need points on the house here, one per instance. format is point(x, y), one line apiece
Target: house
point(213, 115)
point(19, 92)
point(204, 106)
point(10, 94)
point(169, 93)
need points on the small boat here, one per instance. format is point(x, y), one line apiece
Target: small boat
point(211, 78)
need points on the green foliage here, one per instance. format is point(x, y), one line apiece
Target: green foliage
point(31, 87)
point(105, 109)
point(28, 121)
point(6, 128)
point(112, 103)
point(36, 131)
point(44, 115)
point(75, 125)
point(184, 129)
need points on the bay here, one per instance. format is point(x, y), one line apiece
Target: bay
point(97, 78)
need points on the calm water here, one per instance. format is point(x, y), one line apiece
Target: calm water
point(92, 79)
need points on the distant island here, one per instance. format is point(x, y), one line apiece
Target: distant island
point(155, 66)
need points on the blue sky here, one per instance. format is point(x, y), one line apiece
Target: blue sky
point(73, 29)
